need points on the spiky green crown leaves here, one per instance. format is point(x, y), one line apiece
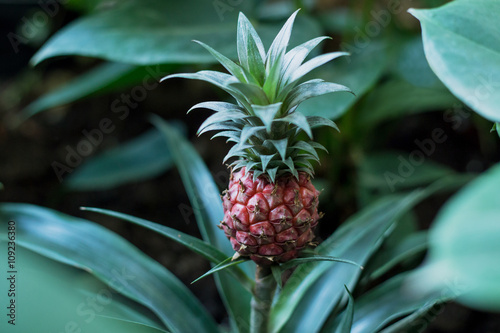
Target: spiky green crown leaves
point(264, 124)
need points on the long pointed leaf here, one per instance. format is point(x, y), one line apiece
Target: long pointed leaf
point(194, 244)
point(226, 263)
point(111, 259)
point(314, 289)
point(207, 207)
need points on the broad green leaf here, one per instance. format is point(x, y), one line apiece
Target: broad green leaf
point(194, 244)
point(359, 72)
point(141, 158)
point(387, 172)
point(315, 289)
point(389, 301)
point(111, 259)
point(412, 66)
point(104, 78)
point(81, 301)
point(207, 207)
point(398, 98)
point(464, 246)
point(150, 32)
point(464, 51)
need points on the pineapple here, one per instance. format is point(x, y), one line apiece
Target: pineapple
point(270, 206)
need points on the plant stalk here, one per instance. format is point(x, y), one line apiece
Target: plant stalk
point(265, 286)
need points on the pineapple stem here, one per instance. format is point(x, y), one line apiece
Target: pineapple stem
point(265, 286)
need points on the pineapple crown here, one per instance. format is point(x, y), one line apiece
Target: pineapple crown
point(264, 124)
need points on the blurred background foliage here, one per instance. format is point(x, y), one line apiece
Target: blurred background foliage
point(79, 81)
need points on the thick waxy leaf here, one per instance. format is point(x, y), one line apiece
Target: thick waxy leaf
point(247, 132)
point(265, 159)
point(463, 244)
point(194, 244)
point(389, 301)
point(359, 72)
point(228, 64)
point(306, 147)
point(295, 57)
point(250, 50)
point(464, 52)
point(111, 259)
point(310, 89)
point(280, 43)
point(217, 106)
point(81, 301)
point(281, 146)
point(252, 92)
point(220, 117)
point(315, 289)
point(207, 207)
point(314, 63)
point(267, 113)
point(300, 120)
point(142, 158)
point(320, 121)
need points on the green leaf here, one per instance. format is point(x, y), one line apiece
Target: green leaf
point(194, 244)
point(265, 159)
point(295, 57)
point(280, 43)
point(418, 320)
point(345, 324)
point(320, 121)
point(226, 263)
point(104, 78)
point(315, 63)
point(281, 146)
point(387, 172)
point(267, 113)
point(218, 118)
point(207, 207)
point(148, 32)
point(464, 247)
point(217, 107)
point(389, 301)
point(299, 120)
point(398, 98)
point(359, 72)
point(465, 53)
point(310, 89)
point(409, 247)
point(299, 261)
point(45, 287)
point(250, 50)
point(315, 289)
point(228, 64)
point(111, 259)
point(307, 147)
point(144, 157)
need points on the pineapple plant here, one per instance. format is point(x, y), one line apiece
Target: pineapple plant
point(271, 205)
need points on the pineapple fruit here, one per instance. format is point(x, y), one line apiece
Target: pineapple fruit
point(270, 206)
